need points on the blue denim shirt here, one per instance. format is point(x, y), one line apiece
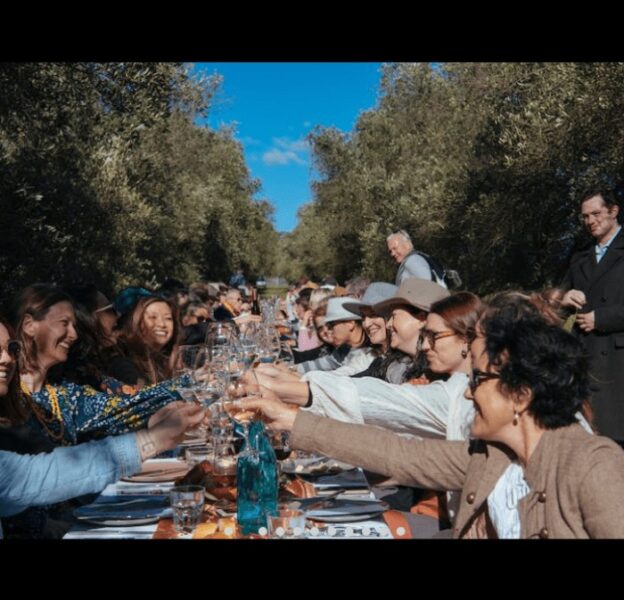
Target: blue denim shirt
point(33, 480)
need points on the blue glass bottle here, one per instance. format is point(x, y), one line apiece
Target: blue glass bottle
point(257, 482)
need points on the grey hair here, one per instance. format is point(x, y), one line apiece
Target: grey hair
point(401, 233)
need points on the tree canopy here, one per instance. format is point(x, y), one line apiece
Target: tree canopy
point(106, 176)
point(482, 163)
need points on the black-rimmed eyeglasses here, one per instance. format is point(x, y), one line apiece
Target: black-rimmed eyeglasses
point(478, 377)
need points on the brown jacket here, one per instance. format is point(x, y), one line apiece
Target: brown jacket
point(576, 479)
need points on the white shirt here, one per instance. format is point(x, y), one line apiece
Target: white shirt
point(503, 502)
point(437, 410)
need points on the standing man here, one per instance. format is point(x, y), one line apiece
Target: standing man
point(411, 263)
point(595, 284)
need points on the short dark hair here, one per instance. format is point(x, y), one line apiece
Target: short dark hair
point(530, 353)
point(608, 196)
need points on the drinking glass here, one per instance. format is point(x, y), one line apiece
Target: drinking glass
point(286, 522)
point(187, 503)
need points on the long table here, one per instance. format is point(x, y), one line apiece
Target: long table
point(370, 529)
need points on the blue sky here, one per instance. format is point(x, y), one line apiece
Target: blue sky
point(275, 105)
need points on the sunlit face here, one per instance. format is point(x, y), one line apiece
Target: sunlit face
point(374, 325)
point(341, 331)
point(494, 410)
point(600, 221)
point(157, 325)
point(443, 347)
point(8, 362)
point(55, 334)
point(323, 331)
point(404, 330)
point(235, 301)
point(399, 248)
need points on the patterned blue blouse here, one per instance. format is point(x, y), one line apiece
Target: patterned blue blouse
point(88, 414)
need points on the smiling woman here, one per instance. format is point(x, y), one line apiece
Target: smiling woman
point(147, 339)
point(46, 327)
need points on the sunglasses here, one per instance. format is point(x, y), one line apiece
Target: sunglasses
point(478, 377)
point(12, 348)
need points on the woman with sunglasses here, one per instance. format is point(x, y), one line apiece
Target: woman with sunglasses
point(28, 480)
point(532, 470)
point(67, 412)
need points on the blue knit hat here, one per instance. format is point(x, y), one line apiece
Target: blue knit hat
point(126, 300)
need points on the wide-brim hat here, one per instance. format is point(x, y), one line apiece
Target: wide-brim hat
point(337, 312)
point(419, 293)
point(376, 292)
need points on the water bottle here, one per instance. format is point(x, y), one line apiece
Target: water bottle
point(257, 481)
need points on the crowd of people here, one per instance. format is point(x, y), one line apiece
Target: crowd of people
point(500, 419)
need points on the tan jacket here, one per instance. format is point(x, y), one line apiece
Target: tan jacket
point(576, 479)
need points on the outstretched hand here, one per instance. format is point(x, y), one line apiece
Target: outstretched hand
point(278, 415)
point(168, 426)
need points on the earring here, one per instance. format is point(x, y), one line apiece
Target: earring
point(464, 353)
point(515, 419)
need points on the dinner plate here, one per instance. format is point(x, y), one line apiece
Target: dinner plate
point(347, 519)
point(114, 511)
point(314, 466)
point(348, 511)
point(159, 472)
point(121, 522)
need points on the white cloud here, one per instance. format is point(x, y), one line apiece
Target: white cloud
point(275, 157)
point(286, 151)
point(300, 145)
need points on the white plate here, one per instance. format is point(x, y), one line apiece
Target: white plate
point(121, 522)
point(347, 518)
point(346, 511)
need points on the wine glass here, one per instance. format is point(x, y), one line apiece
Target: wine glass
point(220, 334)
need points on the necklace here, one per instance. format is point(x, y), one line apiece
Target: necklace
point(42, 417)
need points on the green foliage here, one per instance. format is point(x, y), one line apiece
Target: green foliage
point(482, 163)
point(106, 177)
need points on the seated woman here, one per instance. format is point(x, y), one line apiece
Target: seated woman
point(306, 336)
point(63, 473)
point(96, 320)
point(67, 412)
point(392, 364)
point(146, 339)
point(529, 381)
point(328, 355)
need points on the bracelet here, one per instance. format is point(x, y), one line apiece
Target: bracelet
point(147, 446)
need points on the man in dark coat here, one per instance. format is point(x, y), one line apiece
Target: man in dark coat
point(595, 284)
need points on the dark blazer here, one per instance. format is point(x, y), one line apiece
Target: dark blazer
point(603, 285)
